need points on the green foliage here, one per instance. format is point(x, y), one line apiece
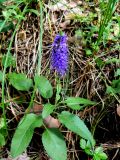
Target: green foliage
point(78, 103)
point(88, 52)
point(1, 76)
point(112, 60)
point(86, 146)
point(59, 89)
point(47, 110)
point(4, 27)
point(20, 82)
point(114, 88)
point(24, 133)
point(99, 62)
point(11, 62)
point(1, 1)
point(106, 17)
point(44, 87)
point(2, 140)
point(117, 73)
point(75, 124)
point(97, 153)
point(54, 144)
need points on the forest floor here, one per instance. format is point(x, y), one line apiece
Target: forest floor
point(94, 71)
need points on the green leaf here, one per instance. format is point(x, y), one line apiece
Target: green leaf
point(1, 1)
point(115, 88)
point(33, 11)
point(110, 90)
point(10, 61)
point(20, 82)
point(99, 62)
point(75, 124)
point(24, 133)
point(75, 102)
point(117, 73)
point(2, 122)
point(116, 85)
point(47, 110)
point(100, 154)
point(82, 143)
point(54, 144)
point(88, 52)
point(113, 60)
point(103, 156)
point(59, 89)
point(4, 27)
point(44, 86)
point(2, 140)
point(57, 97)
point(1, 76)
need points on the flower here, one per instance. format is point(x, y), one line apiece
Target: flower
point(59, 56)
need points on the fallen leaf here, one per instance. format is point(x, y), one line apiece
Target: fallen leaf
point(51, 122)
point(37, 108)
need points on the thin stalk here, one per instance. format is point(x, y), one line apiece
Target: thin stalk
point(31, 100)
point(41, 37)
point(5, 66)
point(39, 54)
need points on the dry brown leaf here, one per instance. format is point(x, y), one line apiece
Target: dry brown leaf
point(64, 5)
point(51, 122)
point(37, 108)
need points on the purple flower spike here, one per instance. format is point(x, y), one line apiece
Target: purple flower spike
point(59, 57)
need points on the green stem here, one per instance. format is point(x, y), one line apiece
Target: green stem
point(41, 37)
point(39, 53)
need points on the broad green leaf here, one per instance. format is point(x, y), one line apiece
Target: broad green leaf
point(1, 76)
point(10, 62)
point(44, 86)
point(24, 133)
point(54, 144)
point(47, 110)
point(20, 82)
point(2, 140)
point(76, 102)
point(75, 124)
